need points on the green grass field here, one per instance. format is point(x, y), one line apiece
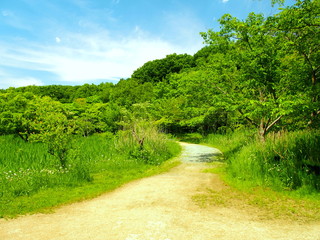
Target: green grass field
point(32, 180)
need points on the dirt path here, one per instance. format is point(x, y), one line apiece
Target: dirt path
point(155, 208)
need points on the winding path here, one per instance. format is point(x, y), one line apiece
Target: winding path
point(155, 208)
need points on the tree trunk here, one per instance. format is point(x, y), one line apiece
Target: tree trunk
point(315, 97)
point(266, 126)
point(262, 130)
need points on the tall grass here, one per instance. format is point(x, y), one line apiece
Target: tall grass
point(285, 161)
point(231, 143)
point(143, 141)
point(27, 168)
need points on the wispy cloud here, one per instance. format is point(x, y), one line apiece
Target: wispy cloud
point(19, 82)
point(12, 80)
point(8, 80)
point(12, 19)
point(225, 1)
point(78, 58)
point(92, 47)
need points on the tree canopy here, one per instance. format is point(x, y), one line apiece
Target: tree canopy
point(260, 72)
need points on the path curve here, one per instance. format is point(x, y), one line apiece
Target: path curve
point(155, 208)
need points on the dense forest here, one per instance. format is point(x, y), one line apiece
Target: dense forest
point(258, 75)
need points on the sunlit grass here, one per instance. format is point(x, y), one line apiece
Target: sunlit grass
point(260, 202)
point(260, 175)
point(285, 161)
point(31, 179)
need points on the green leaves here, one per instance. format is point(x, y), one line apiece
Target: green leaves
point(262, 82)
point(157, 70)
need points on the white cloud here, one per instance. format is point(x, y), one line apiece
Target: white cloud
point(18, 82)
point(11, 81)
point(77, 58)
point(225, 1)
point(82, 58)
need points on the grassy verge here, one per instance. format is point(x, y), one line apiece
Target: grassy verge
point(274, 179)
point(260, 202)
point(32, 181)
point(286, 161)
point(46, 200)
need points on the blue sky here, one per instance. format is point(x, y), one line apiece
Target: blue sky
point(72, 42)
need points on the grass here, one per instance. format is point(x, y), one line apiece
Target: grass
point(269, 180)
point(260, 202)
point(285, 161)
point(31, 180)
point(46, 200)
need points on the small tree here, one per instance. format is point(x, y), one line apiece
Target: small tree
point(53, 128)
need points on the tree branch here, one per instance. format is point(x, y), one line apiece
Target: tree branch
point(273, 123)
point(247, 118)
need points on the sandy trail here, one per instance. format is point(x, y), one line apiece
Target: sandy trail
point(155, 208)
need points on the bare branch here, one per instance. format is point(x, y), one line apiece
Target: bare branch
point(273, 123)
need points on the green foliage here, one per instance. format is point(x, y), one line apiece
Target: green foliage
point(26, 168)
point(157, 70)
point(128, 92)
point(299, 26)
point(16, 114)
point(191, 138)
point(280, 2)
point(284, 161)
point(258, 72)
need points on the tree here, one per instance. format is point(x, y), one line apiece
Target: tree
point(185, 102)
point(247, 70)
point(128, 92)
point(157, 70)
point(52, 127)
point(16, 113)
point(299, 26)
